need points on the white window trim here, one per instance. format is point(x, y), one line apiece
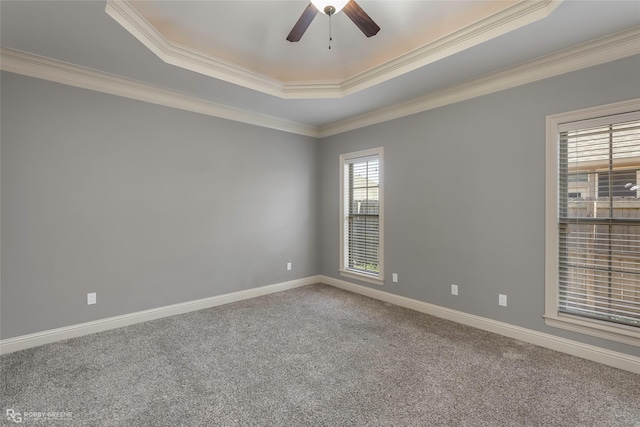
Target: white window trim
point(619, 333)
point(343, 270)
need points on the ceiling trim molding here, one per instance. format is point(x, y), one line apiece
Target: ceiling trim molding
point(610, 48)
point(129, 18)
point(60, 72)
point(516, 16)
point(486, 29)
point(606, 49)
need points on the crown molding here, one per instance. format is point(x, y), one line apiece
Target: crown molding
point(610, 48)
point(516, 16)
point(131, 20)
point(606, 49)
point(60, 72)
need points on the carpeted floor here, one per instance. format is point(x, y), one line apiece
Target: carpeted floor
point(312, 356)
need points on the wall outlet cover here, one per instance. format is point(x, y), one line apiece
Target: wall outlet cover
point(502, 300)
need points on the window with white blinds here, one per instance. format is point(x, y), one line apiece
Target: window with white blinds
point(597, 225)
point(361, 207)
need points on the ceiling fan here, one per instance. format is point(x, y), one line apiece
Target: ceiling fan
point(331, 7)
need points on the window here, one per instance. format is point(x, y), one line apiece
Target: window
point(578, 177)
point(616, 185)
point(361, 207)
point(593, 222)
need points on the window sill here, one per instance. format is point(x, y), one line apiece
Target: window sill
point(363, 277)
point(622, 333)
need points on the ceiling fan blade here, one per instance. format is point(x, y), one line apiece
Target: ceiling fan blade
point(303, 23)
point(361, 19)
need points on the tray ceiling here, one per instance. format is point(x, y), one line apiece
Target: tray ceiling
point(244, 42)
point(76, 43)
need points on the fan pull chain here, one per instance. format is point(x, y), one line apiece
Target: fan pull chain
point(330, 32)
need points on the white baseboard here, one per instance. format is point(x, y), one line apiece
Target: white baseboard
point(574, 348)
point(45, 337)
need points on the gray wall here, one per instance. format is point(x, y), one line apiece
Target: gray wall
point(145, 205)
point(465, 195)
point(150, 206)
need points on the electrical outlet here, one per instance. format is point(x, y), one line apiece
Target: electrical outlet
point(502, 300)
point(91, 298)
point(394, 277)
point(288, 266)
point(454, 289)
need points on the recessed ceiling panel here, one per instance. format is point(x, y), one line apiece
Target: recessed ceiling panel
point(244, 42)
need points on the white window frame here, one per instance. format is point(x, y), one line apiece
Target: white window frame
point(602, 329)
point(344, 271)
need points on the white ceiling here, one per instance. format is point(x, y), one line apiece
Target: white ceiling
point(245, 64)
point(251, 34)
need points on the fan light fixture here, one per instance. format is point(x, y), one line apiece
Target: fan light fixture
point(329, 7)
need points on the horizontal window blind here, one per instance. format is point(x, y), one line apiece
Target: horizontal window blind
point(362, 214)
point(599, 219)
